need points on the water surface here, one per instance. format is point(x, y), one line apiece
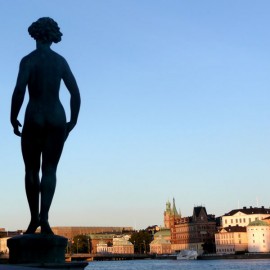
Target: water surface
point(250, 264)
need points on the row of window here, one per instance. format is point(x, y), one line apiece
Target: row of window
point(226, 235)
point(239, 220)
point(193, 228)
point(227, 242)
point(225, 250)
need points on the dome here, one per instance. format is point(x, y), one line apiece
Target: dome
point(258, 223)
point(160, 241)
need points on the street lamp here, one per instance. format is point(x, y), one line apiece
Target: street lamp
point(77, 244)
point(144, 247)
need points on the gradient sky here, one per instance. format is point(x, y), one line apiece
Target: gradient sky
point(175, 103)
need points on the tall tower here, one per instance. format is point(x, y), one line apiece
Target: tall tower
point(167, 215)
point(170, 214)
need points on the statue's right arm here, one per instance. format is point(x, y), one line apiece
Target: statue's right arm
point(18, 95)
point(75, 99)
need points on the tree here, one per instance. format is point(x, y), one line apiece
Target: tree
point(80, 244)
point(209, 247)
point(141, 241)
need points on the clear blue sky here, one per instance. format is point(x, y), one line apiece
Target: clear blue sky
point(175, 103)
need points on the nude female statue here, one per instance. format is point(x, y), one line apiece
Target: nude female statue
point(45, 127)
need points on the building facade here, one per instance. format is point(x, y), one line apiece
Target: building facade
point(242, 217)
point(258, 236)
point(70, 232)
point(122, 246)
point(100, 240)
point(3, 245)
point(231, 240)
point(193, 232)
point(160, 246)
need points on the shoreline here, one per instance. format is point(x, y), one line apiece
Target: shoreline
point(234, 256)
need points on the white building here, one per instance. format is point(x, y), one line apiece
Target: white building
point(242, 217)
point(258, 236)
point(102, 247)
point(3, 245)
point(231, 240)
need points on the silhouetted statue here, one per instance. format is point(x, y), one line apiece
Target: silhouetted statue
point(45, 127)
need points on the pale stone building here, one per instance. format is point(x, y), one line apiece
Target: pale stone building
point(122, 246)
point(242, 217)
point(231, 240)
point(3, 245)
point(258, 236)
point(160, 246)
point(103, 248)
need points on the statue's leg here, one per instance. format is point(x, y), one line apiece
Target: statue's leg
point(31, 154)
point(51, 154)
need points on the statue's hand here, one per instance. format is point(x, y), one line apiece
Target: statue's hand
point(16, 124)
point(70, 126)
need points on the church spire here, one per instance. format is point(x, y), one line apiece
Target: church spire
point(175, 213)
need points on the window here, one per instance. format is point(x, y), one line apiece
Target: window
point(236, 220)
point(232, 221)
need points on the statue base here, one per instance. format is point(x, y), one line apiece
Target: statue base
point(37, 248)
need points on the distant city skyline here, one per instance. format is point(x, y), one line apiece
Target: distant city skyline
point(175, 103)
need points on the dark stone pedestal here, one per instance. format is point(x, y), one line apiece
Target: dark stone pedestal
point(37, 248)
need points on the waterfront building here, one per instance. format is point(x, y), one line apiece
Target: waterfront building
point(193, 232)
point(170, 215)
point(111, 243)
point(102, 247)
point(160, 246)
point(3, 245)
point(231, 239)
point(98, 241)
point(70, 232)
point(242, 217)
point(122, 246)
point(258, 236)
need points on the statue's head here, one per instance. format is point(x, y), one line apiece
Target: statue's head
point(45, 30)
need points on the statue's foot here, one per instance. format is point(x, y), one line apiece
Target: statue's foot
point(45, 228)
point(34, 224)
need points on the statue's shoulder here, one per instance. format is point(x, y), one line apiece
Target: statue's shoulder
point(27, 59)
point(60, 59)
point(58, 55)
